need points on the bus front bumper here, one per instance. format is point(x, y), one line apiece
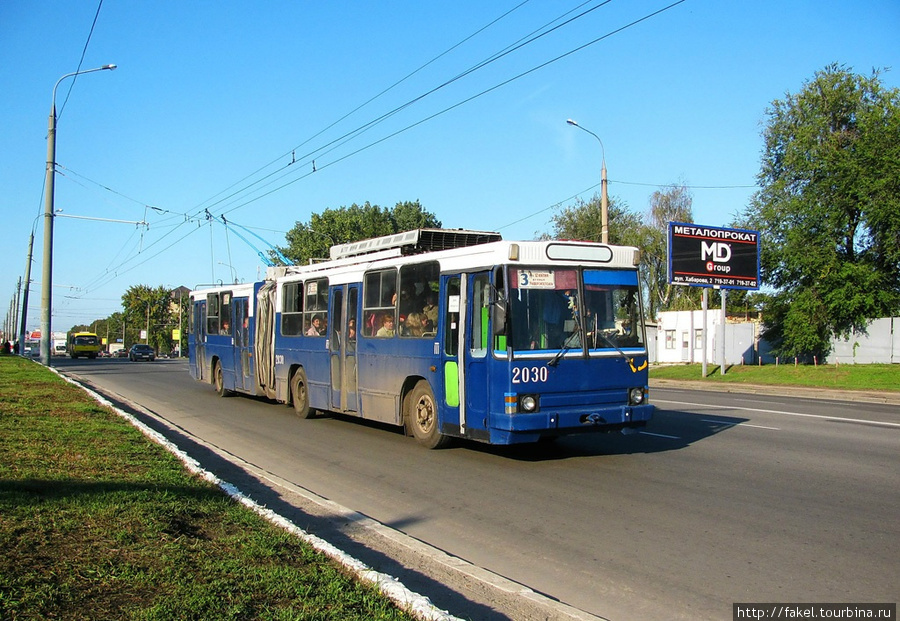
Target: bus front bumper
point(523, 426)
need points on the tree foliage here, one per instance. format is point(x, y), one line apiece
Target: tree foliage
point(673, 203)
point(829, 210)
point(310, 240)
point(583, 221)
point(152, 309)
point(647, 232)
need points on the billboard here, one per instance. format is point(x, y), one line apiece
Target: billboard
point(708, 256)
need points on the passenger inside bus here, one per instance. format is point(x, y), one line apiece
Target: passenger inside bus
point(430, 310)
point(414, 325)
point(387, 326)
point(316, 328)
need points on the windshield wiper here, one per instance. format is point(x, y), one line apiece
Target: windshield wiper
point(567, 345)
point(614, 346)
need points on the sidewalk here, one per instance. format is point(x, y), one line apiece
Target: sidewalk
point(866, 396)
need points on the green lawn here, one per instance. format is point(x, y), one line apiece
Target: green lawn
point(844, 377)
point(98, 522)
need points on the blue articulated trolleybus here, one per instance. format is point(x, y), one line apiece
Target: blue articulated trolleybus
point(447, 333)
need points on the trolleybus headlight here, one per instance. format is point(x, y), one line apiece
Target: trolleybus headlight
point(636, 396)
point(529, 403)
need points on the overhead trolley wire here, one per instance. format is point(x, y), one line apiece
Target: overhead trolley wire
point(365, 103)
point(349, 135)
point(465, 101)
point(81, 61)
point(340, 141)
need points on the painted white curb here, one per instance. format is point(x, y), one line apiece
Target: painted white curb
point(413, 603)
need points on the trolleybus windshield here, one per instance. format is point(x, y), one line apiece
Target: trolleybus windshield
point(574, 309)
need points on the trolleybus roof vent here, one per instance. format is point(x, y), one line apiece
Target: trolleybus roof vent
point(415, 242)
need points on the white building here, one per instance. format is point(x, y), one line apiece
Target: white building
point(680, 338)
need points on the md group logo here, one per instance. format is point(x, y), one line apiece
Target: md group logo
point(719, 252)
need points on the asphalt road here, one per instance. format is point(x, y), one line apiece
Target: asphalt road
point(725, 498)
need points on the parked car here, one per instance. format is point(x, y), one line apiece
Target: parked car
point(120, 353)
point(139, 351)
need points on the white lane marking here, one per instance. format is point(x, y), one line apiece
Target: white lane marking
point(659, 435)
point(725, 422)
point(819, 416)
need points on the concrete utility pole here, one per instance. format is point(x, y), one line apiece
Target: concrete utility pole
point(24, 331)
point(604, 199)
point(47, 270)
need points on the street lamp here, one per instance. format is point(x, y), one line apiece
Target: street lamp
point(47, 272)
point(604, 200)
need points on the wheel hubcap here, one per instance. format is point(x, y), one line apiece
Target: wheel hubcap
point(424, 414)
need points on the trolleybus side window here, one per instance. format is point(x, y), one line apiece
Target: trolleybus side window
point(212, 313)
point(417, 301)
point(315, 313)
point(292, 309)
point(351, 318)
point(479, 336)
point(499, 309)
point(452, 317)
point(379, 303)
point(225, 314)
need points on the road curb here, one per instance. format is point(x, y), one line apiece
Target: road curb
point(415, 604)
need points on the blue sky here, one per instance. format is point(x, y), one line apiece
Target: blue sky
point(209, 97)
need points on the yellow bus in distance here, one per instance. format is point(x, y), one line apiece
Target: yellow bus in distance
point(84, 344)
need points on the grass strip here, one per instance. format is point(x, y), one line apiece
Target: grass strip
point(98, 522)
point(843, 377)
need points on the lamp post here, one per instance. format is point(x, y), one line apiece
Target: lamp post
point(47, 271)
point(604, 200)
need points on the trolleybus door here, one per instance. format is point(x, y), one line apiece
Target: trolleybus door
point(240, 308)
point(475, 344)
point(342, 347)
point(199, 337)
point(452, 331)
point(465, 350)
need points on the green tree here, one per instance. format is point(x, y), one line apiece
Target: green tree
point(149, 308)
point(582, 221)
point(115, 326)
point(647, 232)
point(829, 210)
point(673, 203)
point(310, 240)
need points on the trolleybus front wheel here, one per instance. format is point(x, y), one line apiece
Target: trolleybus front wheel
point(421, 417)
point(300, 395)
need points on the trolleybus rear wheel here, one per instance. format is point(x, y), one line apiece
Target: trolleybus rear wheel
point(300, 395)
point(422, 417)
point(219, 381)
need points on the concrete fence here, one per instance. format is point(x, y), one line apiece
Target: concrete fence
point(879, 343)
point(678, 338)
